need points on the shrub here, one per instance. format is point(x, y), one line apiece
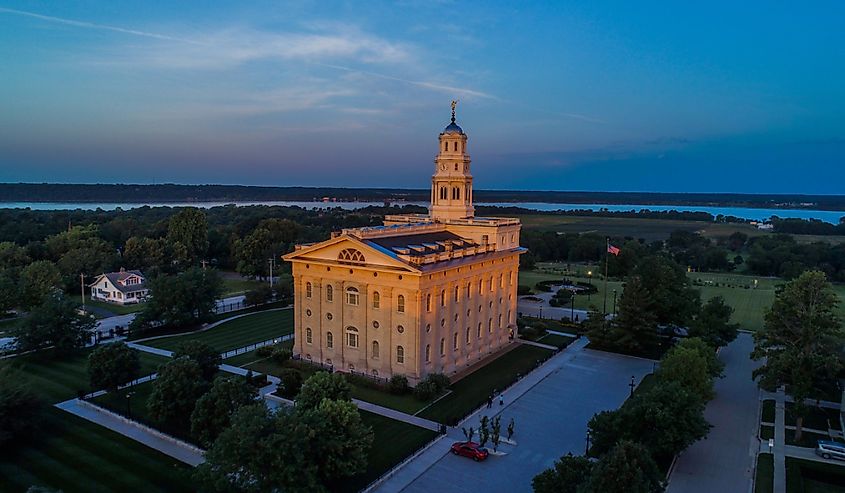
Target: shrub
point(425, 390)
point(264, 351)
point(291, 382)
point(398, 384)
point(281, 355)
point(522, 290)
point(439, 379)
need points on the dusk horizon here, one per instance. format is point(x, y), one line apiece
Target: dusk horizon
point(590, 98)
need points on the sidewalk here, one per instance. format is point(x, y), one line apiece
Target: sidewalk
point(178, 450)
point(780, 443)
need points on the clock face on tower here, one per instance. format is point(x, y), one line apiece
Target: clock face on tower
point(443, 167)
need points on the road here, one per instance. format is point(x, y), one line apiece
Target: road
point(551, 420)
point(105, 324)
point(724, 461)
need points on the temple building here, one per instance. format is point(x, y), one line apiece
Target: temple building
point(425, 293)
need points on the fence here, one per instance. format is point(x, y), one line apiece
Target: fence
point(253, 347)
point(393, 470)
point(229, 307)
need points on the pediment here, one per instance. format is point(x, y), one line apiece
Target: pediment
point(348, 250)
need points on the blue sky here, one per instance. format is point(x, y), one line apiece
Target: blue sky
point(647, 96)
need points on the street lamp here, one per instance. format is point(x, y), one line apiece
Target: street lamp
point(587, 449)
point(572, 310)
point(128, 404)
point(590, 275)
point(632, 385)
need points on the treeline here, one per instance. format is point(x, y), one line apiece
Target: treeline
point(631, 214)
point(808, 226)
point(136, 193)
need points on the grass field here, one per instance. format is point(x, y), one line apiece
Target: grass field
point(239, 286)
point(238, 333)
point(59, 380)
point(393, 441)
point(556, 340)
point(472, 390)
point(77, 456)
point(764, 482)
point(805, 476)
point(552, 272)
point(648, 229)
point(114, 308)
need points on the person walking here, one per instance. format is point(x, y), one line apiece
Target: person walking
point(489, 401)
point(502, 399)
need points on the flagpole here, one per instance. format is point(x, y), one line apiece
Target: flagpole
point(606, 259)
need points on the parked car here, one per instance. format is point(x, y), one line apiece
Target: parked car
point(830, 450)
point(470, 449)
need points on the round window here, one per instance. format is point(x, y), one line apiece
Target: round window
point(400, 329)
point(308, 312)
point(329, 316)
point(375, 324)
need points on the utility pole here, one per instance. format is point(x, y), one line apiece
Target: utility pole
point(204, 263)
point(272, 262)
point(606, 260)
point(82, 287)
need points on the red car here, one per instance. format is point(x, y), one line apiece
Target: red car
point(470, 449)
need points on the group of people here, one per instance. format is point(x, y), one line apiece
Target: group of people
point(490, 399)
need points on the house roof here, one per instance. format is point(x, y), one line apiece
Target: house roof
point(116, 279)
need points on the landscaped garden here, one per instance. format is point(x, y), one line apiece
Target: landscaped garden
point(473, 390)
point(237, 333)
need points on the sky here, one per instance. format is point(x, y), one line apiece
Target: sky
point(579, 95)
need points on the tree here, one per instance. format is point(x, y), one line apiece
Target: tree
point(55, 322)
point(9, 297)
point(627, 468)
point(686, 366)
point(666, 419)
point(291, 382)
point(206, 357)
point(801, 341)
point(635, 328)
point(37, 280)
point(323, 385)
point(213, 411)
point(495, 432)
point(484, 431)
point(670, 298)
point(112, 365)
point(344, 440)
point(175, 392)
point(568, 473)
point(180, 300)
point(713, 323)
point(20, 408)
point(269, 239)
point(597, 327)
point(707, 352)
point(145, 253)
point(187, 235)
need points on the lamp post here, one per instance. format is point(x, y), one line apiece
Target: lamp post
point(572, 304)
point(587, 449)
point(541, 312)
point(129, 404)
point(590, 275)
point(632, 385)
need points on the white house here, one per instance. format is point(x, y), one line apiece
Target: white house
point(124, 287)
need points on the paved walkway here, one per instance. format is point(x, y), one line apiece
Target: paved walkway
point(169, 446)
point(550, 407)
point(397, 415)
point(780, 444)
point(724, 461)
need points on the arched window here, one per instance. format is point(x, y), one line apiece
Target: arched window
point(480, 286)
point(351, 256)
point(501, 280)
point(442, 346)
point(491, 284)
point(467, 335)
point(308, 335)
point(352, 296)
point(400, 354)
point(307, 289)
point(490, 325)
point(400, 304)
point(427, 353)
point(457, 292)
point(456, 146)
point(428, 302)
point(442, 297)
point(469, 290)
point(444, 193)
point(445, 146)
point(456, 193)
point(455, 341)
point(329, 293)
point(329, 340)
point(478, 332)
point(500, 320)
point(351, 336)
point(375, 350)
point(376, 299)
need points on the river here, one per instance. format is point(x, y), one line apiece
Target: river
point(758, 214)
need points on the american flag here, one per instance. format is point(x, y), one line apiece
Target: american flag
point(612, 249)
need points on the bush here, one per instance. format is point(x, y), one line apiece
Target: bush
point(264, 351)
point(399, 384)
point(281, 355)
point(291, 382)
point(522, 290)
point(439, 379)
point(425, 390)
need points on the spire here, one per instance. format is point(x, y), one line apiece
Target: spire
point(454, 104)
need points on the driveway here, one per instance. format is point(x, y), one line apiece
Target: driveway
point(724, 461)
point(551, 420)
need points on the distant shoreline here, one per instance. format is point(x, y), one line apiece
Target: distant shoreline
point(50, 193)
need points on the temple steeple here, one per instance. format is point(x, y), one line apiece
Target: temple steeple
point(451, 184)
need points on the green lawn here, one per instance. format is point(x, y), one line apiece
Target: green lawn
point(115, 308)
point(238, 333)
point(817, 417)
point(808, 439)
point(406, 403)
point(59, 380)
point(393, 441)
point(473, 390)
point(74, 455)
point(764, 482)
point(240, 286)
point(768, 411)
point(805, 476)
point(556, 340)
point(552, 272)
point(767, 432)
